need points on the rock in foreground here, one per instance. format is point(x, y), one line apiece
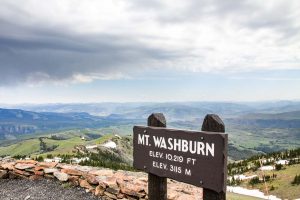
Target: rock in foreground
point(103, 183)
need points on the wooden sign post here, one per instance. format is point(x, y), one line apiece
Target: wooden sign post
point(194, 157)
point(157, 186)
point(213, 123)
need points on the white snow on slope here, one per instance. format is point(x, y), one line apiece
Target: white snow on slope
point(110, 144)
point(253, 193)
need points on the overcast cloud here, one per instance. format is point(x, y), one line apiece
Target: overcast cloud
point(73, 40)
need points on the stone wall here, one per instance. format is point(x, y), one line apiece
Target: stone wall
point(107, 183)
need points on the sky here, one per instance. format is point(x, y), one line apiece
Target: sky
point(70, 51)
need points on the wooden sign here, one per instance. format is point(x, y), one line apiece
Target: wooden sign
point(194, 157)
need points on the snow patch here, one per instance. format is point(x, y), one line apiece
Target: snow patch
point(241, 177)
point(91, 146)
point(267, 168)
point(282, 162)
point(253, 193)
point(110, 144)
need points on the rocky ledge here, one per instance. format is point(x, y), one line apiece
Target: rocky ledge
point(104, 183)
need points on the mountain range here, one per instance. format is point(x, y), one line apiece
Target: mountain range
point(173, 110)
point(15, 122)
point(252, 127)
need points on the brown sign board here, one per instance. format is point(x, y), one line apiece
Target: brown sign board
point(194, 157)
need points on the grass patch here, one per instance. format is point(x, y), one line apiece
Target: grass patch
point(66, 185)
point(233, 196)
point(102, 139)
point(26, 147)
point(282, 185)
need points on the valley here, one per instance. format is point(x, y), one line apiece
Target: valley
point(253, 128)
point(101, 135)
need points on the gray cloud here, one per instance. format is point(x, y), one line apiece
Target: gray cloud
point(43, 54)
point(35, 48)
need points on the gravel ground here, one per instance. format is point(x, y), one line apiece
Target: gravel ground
point(44, 189)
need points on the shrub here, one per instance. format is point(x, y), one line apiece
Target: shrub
point(50, 156)
point(267, 178)
point(254, 181)
point(296, 180)
point(278, 167)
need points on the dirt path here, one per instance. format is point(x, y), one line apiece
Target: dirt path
point(44, 189)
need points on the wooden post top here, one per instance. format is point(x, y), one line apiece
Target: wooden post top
point(157, 120)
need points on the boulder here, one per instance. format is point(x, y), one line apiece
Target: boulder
point(20, 172)
point(133, 189)
point(100, 180)
point(65, 166)
point(50, 170)
point(9, 165)
point(26, 161)
point(83, 183)
point(112, 196)
point(23, 166)
point(91, 179)
point(85, 169)
point(74, 180)
point(102, 172)
point(61, 176)
point(113, 190)
point(120, 196)
point(39, 168)
point(14, 175)
point(99, 191)
point(72, 172)
point(40, 173)
point(110, 182)
point(122, 176)
point(47, 164)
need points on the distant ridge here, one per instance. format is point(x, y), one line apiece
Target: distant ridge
point(14, 122)
point(284, 115)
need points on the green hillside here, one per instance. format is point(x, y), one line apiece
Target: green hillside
point(26, 147)
point(58, 143)
point(281, 185)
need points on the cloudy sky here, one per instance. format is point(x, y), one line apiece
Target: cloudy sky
point(142, 50)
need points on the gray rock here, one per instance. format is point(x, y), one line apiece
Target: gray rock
point(24, 166)
point(50, 170)
point(61, 176)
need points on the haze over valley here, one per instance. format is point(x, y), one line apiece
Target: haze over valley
point(253, 127)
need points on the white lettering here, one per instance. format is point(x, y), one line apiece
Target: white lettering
point(188, 172)
point(185, 147)
point(193, 147)
point(163, 143)
point(141, 139)
point(210, 149)
point(193, 150)
point(157, 141)
point(177, 144)
point(200, 147)
point(170, 143)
